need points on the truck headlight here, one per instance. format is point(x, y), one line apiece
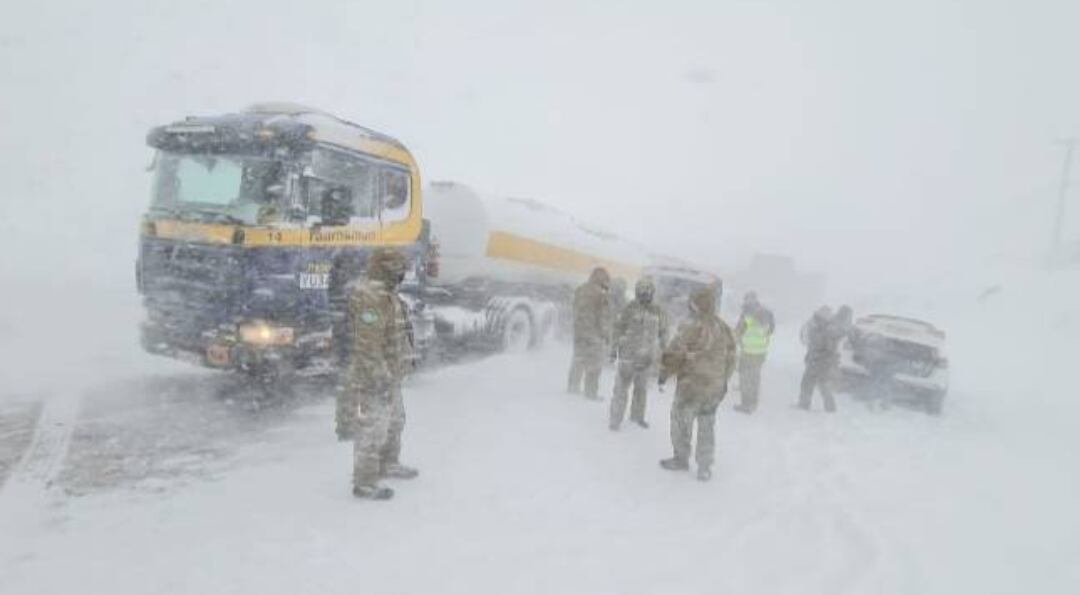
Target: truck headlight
point(263, 333)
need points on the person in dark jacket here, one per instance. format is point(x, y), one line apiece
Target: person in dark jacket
point(822, 345)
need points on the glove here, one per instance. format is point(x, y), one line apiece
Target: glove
point(614, 356)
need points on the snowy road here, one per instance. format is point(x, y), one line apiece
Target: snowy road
point(125, 473)
point(167, 487)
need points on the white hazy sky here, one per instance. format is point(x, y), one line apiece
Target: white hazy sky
point(856, 135)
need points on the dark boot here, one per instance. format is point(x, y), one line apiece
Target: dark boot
point(375, 492)
point(674, 464)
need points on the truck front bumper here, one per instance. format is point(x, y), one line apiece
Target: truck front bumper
point(224, 350)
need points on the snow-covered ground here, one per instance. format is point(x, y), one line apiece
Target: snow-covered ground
point(142, 478)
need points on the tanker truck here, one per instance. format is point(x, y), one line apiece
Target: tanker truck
point(259, 221)
point(507, 268)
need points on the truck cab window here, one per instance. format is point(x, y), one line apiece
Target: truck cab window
point(378, 192)
point(219, 187)
point(354, 177)
point(393, 194)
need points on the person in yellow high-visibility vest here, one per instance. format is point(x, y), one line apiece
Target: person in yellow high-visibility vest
point(754, 333)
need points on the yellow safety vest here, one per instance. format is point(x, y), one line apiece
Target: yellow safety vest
point(755, 338)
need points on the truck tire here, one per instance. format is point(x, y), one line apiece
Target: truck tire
point(519, 333)
point(545, 328)
point(271, 381)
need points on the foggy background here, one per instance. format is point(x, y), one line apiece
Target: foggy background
point(875, 141)
point(907, 150)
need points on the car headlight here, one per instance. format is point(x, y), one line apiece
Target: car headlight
point(264, 333)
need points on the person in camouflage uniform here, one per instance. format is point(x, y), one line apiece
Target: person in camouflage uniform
point(617, 296)
point(640, 335)
point(822, 343)
point(702, 357)
point(345, 275)
point(381, 356)
point(592, 327)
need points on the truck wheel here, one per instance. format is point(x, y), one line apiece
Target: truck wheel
point(517, 331)
point(545, 329)
point(271, 381)
point(935, 403)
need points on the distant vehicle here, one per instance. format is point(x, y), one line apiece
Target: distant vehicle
point(675, 281)
point(891, 358)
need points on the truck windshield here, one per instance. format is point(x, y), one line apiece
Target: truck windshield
point(230, 188)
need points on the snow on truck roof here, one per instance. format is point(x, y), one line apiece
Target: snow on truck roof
point(266, 124)
point(326, 126)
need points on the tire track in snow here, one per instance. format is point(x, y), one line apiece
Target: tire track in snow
point(24, 498)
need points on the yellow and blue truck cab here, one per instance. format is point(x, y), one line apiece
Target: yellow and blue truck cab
point(257, 223)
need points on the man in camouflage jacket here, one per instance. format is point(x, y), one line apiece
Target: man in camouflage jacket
point(592, 329)
point(702, 357)
point(640, 335)
point(381, 356)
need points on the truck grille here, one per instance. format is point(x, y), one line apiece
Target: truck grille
point(190, 283)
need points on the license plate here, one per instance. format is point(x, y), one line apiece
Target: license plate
point(218, 355)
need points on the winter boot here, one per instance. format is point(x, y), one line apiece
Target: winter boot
point(674, 464)
point(372, 492)
point(743, 409)
point(644, 424)
point(704, 474)
point(399, 471)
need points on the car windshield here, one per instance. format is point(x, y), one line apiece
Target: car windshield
point(670, 288)
point(233, 188)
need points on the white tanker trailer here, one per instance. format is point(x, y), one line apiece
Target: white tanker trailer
point(507, 267)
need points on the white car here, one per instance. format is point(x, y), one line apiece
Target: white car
point(891, 358)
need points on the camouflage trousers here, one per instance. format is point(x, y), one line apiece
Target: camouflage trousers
point(629, 374)
point(345, 413)
point(587, 362)
point(817, 375)
point(687, 410)
point(380, 420)
point(750, 380)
